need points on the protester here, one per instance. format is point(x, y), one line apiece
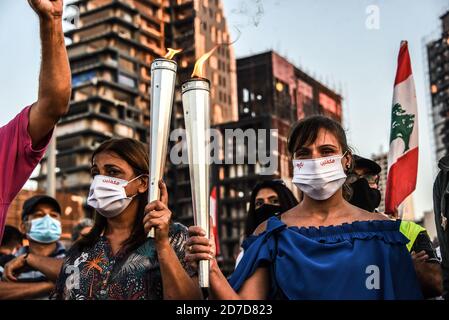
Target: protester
point(116, 260)
point(26, 275)
point(324, 248)
point(441, 210)
point(11, 242)
point(364, 182)
point(425, 259)
point(366, 195)
point(269, 198)
point(81, 229)
point(24, 139)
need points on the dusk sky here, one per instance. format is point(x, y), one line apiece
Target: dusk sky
point(328, 39)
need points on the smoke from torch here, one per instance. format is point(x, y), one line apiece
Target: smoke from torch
point(198, 71)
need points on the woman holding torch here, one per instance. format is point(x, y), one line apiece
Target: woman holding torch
point(116, 260)
point(324, 248)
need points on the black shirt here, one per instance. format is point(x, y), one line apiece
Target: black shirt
point(423, 242)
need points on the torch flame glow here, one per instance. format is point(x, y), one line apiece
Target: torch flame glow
point(171, 53)
point(199, 65)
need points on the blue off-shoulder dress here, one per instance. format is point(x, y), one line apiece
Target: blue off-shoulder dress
point(362, 260)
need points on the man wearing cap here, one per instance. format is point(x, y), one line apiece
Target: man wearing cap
point(24, 139)
point(364, 183)
point(28, 276)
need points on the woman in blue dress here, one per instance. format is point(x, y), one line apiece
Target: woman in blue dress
point(324, 248)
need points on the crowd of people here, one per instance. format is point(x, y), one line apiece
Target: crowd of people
point(331, 243)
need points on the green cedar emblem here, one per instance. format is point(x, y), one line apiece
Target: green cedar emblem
point(402, 125)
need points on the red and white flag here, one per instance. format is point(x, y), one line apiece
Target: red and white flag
point(213, 214)
point(403, 154)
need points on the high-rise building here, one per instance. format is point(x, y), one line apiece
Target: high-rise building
point(111, 51)
point(270, 84)
point(438, 61)
point(272, 95)
point(197, 27)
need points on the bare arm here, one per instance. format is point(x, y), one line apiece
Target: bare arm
point(18, 290)
point(427, 266)
point(176, 282)
point(50, 267)
point(55, 78)
point(430, 278)
point(256, 287)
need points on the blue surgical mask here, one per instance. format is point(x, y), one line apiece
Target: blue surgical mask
point(45, 230)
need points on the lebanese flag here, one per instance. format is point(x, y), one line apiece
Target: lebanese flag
point(213, 214)
point(403, 154)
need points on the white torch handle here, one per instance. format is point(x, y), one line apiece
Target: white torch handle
point(163, 79)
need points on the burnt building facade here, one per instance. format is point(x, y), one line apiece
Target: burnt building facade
point(111, 51)
point(270, 84)
point(197, 27)
point(438, 62)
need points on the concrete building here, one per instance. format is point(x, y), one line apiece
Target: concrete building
point(438, 62)
point(110, 52)
point(270, 84)
point(196, 27)
point(110, 55)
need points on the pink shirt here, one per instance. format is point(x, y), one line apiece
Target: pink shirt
point(17, 160)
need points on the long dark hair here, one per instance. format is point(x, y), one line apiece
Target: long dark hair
point(305, 132)
point(136, 155)
point(286, 201)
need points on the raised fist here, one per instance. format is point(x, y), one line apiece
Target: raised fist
point(47, 8)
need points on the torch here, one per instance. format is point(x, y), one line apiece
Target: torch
point(163, 78)
point(196, 104)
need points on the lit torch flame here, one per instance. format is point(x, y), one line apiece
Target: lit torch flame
point(171, 53)
point(199, 65)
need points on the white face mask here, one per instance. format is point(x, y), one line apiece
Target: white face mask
point(108, 197)
point(319, 178)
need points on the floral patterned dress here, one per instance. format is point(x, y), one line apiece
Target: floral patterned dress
point(96, 274)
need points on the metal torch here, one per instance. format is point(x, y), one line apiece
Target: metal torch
point(163, 78)
point(196, 102)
